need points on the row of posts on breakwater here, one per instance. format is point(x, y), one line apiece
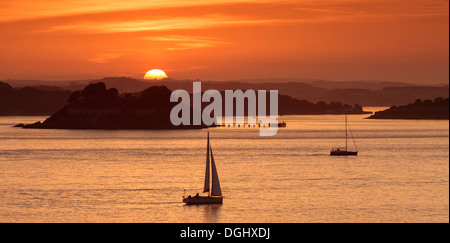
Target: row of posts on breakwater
point(279, 124)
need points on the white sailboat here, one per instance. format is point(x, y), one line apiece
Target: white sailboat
point(214, 191)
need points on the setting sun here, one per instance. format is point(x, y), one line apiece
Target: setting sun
point(155, 74)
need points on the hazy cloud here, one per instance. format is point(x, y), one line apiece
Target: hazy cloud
point(157, 24)
point(104, 57)
point(34, 9)
point(186, 42)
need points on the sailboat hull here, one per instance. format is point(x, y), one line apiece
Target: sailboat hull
point(196, 200)
point(343, 153)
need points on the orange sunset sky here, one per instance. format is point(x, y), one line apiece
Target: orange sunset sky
point(392, 40)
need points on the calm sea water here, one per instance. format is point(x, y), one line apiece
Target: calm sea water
point(400, 175)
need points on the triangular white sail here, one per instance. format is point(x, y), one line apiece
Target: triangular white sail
point(215, 191)
point(206, 187)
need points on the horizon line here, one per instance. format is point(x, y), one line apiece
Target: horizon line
point(242, 80)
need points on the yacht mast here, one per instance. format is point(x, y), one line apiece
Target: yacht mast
point(207, 173)
point(346, 133)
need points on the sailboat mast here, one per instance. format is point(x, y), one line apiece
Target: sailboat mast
point(209, 166)
point(346, 133)
point(207, 173)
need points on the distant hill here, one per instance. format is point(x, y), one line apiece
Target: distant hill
point(428, 109)
point(360, 84)
point(365, 93)
point(291, 106)
point(31, 101)
point(387, 96)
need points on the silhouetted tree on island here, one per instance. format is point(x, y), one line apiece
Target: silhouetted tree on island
point(74, 97)
point(96, 107)
point(155, 94)
point(428, 109)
